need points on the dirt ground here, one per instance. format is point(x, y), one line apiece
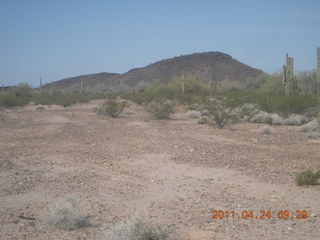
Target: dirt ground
point(170, 172)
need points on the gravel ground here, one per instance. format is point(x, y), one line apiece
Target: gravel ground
point(170, 172)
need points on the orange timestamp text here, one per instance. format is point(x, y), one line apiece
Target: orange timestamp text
point(262, 214)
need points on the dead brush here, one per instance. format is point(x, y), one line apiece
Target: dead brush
point(66, 215)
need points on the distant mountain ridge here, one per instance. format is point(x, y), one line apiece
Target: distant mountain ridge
point(215, 67)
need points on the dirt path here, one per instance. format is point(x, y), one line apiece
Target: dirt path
point(172, 172)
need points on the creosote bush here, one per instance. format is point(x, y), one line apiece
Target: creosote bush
point(313, 134)
point(112, 107)
point(265, 130)
point(307, 177)
point(65, 215)
point(161, 110)
point(194, 114)
point(221, 116)
point(135, 231)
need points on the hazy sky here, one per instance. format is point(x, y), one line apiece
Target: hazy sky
point(55, 39)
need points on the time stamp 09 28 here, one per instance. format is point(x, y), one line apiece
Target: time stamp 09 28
point(262, 214)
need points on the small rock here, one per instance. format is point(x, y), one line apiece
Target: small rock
point(15, 221)
point(290, 228)
point(313, 215)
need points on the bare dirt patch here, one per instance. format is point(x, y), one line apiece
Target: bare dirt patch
point(171, 172)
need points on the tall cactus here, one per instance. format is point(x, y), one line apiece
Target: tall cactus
point(81, 86)
point(51, 92)
point(288, 75)
point(182, 84)
point(40, 86)
point(318, 70)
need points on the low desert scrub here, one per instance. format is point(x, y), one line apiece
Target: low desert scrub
point(135, 231)
point(262, 117)
point(265, 130)
point(128, 111)
point(39, 107)
point(310, 126)
point(313, 134)
point(161, 110)
point(65, 215)
point(246, 111)
point(307, 177)
point(295, 120)
point(111, 107)
point(2, 115)
point(220, 116)
point(276, 119)
point(193, 114)
point(203, 120)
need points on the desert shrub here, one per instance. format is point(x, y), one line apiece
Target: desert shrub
point(65, 215)
point(8, 100)
point(135, 231)
point(262, 117)
point(128, 111)
point(307, 177)
point(195, 107)
point(139, 98)
point(2, 115)
point(246, 111)
point(69, 99)
point(312, 112)
point(311, 126)
point(21, 90)
point(295, 120)
point(276, 119)
point(313, 134)
point(205, 112)
point(39, 107)
point(112, 107)
point(221, 116)
point(59, 99)
point(203, 120)
point(193, 114)
point(286, 105)
point(161, 110)
point(265, 130)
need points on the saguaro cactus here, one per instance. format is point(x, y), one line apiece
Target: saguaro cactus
point(288, 75)
point(40, 86)
point(51, 92)
point(318, 70)
point(81, 86)
point(182, 84)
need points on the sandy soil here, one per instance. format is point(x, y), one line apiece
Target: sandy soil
point(170, 172)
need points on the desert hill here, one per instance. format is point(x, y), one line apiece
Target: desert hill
point(208, 66)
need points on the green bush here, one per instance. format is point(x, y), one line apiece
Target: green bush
point(286, 105)
point(8, 100)
point(221, 116)
point(307, 178)
point(161, 110)
point(112, 107)
point(59, 99)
